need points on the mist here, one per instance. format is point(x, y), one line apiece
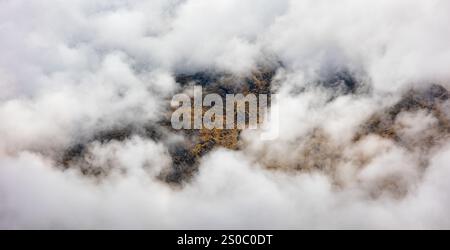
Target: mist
point(362, 95)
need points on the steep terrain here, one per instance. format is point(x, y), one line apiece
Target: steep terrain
point(316, 152)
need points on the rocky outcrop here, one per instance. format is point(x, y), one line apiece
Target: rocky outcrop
point(315, 152)
point(429, 100)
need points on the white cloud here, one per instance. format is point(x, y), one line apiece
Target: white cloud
point(71, 68)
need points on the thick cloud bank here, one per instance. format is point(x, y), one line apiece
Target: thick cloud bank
point(374, 154)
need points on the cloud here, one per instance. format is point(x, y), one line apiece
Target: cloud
point(70, 70)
